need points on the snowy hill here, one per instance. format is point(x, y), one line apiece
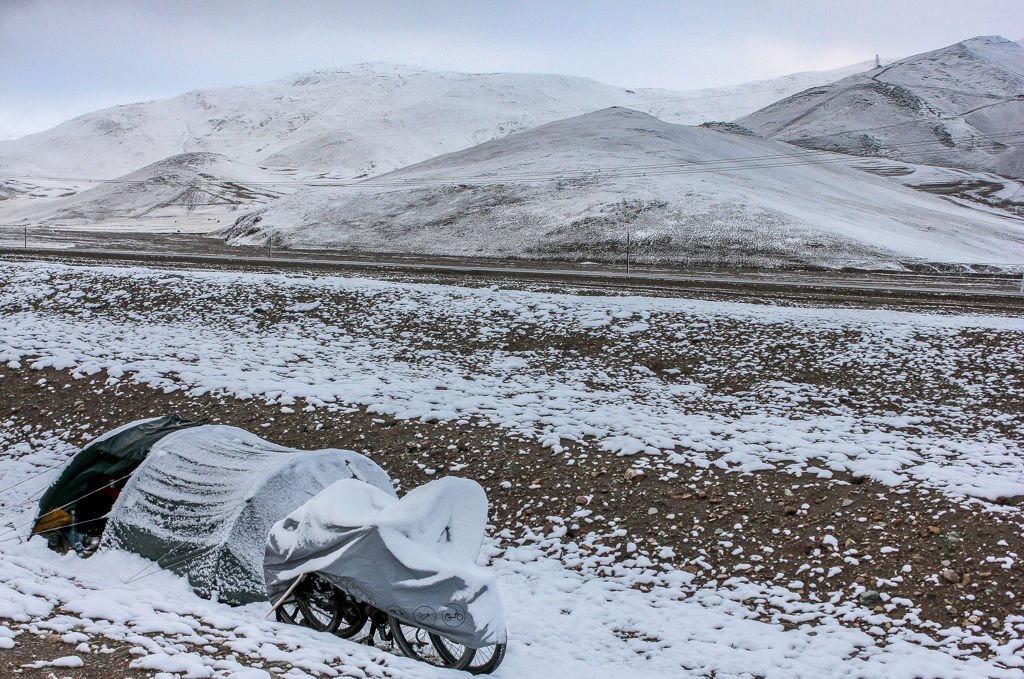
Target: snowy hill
point(573, 188)
point(363, 120)
point(189, 191)
point(960, 106)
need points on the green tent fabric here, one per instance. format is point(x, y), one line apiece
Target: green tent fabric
point(111, 456)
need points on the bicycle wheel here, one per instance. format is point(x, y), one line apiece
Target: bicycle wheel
point(416, 642)
point(485, 660)
point(353, 615)
point(313, 604)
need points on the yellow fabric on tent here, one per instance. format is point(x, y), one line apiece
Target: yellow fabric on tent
point(51, 520)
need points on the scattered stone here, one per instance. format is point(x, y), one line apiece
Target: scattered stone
point(582, 500)
point(847, 502)
point(633, 474)
point(789, 511)
point(950, 575)
point(652, 511)
point(870, 598)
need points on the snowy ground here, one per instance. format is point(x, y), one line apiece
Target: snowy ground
point(935, 410)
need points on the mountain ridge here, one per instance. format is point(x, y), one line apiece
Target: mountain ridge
point(354, 121)
point(959, 106)
point(572, 189)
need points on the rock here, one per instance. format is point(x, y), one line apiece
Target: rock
point(850, 542)
point(789, 511)
point(633, 474)
point(870, 598)
point(582, 500)
point(950, 575)
point(652, 511)
point(846, 502)
point(934, 530)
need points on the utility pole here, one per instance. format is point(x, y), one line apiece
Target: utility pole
point(627, 252)
point(270, 245)
point(26, 238)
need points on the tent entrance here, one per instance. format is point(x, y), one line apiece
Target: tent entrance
point(73, 511)
point(79, 523)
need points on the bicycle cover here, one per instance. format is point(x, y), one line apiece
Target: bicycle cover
point(414, 557)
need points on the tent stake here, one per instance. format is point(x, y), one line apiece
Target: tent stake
point(285, 596)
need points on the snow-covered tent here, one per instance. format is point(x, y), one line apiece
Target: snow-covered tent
point(198, 499)
point(413, 558)
point(204, 500)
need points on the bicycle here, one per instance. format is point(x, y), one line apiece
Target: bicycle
point(318, 604)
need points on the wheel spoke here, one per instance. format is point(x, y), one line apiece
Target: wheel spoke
point(307, 616)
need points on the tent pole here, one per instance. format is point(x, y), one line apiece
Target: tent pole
point(284, 597)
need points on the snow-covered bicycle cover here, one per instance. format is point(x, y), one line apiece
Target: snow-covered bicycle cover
point(413, 558)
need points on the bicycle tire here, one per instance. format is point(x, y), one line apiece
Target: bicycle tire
point(420, 646)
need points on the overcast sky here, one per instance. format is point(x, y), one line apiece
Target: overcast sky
point(62, 58)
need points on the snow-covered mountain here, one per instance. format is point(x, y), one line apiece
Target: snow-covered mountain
point(960, 106)
point(574, 188)
point(185, 192)
point(358, 121)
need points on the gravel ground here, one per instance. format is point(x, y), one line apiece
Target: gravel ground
point(845, 535)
